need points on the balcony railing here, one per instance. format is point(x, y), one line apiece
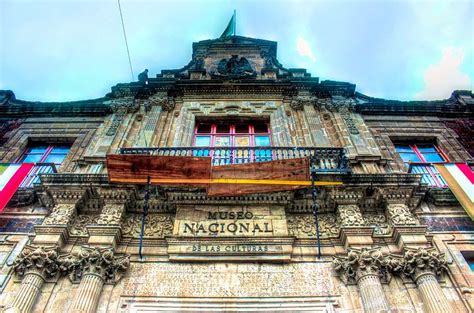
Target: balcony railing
point(33, 175)
point(430, 174)
point(328, 160)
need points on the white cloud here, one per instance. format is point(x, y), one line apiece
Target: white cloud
point(445, 76)
point(304, 49)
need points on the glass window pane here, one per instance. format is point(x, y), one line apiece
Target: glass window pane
point(262, 141)
point(261, 128)
point(242, 141)
point(409, 157)
point(242, 128)
point(55, 158)
point(204, 128)
point(403, 148)
point(426, 148)
point(432, 157)
point(222, 141)
point(60, 150)
point(223, 128)
point(32, 158)
point(202, 141)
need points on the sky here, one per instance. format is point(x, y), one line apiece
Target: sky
point(64, 50)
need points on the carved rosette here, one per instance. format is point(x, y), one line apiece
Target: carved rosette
point(350, 215)
point(400, 215)
point(359, 263)
point(101, 262)
point(62, 214)
point(39, 260)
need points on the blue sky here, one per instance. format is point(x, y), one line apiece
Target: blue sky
point(74, 49)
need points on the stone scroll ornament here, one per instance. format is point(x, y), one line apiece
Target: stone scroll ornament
point(359, 263)
point(99, 261)
point(39, 260)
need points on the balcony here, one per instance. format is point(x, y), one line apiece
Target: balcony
point(430, 175)
point(325, 160)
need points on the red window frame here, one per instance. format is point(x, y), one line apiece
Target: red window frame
point(434, 175)
point(232, 133)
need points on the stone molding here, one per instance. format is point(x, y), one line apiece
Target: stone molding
point(359, 263)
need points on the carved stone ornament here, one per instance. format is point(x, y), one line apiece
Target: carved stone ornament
point(156, 225)
point(234, 68)
point(342, 105)
point(303, 226)
point(350, 215)
point(416, 262)
point(98, 261)
point(298, 103)
point(400, 215)
point(121, 107)
point(78, 226)
point(37, 259)
point(167, 103)
point(61, 214)
point(359, 263)
point(111, 214)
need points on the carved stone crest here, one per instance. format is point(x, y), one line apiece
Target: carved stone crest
point(234, 68)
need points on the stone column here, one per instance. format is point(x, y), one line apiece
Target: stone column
point(35, 265)
point(95, 267)
point(424, 266)
point(363, 267)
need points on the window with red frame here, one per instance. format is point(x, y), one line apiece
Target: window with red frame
point(46, 158)
point(419, 159)
point(233, 142)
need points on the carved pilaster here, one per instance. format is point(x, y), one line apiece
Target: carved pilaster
point(424, 266)
point(349, 215)
point(94, 267)
point(34, 265)
point(400, 215)
point(365, 267)
point(61, 214)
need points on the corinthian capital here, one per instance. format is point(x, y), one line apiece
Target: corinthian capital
point(96, 261)
point(37, 259)
point(423, 261)
point(359, 263)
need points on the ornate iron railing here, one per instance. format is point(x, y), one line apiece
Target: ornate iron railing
point(327, 160)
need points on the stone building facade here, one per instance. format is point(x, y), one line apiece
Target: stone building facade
point(391, 237)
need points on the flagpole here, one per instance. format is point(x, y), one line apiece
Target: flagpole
point(235, 23)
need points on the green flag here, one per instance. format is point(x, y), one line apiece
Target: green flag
point(230, 29)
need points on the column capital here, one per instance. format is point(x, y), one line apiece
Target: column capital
point(100, 262)
point(38, 260)
point(422, 261)
point(359, 263)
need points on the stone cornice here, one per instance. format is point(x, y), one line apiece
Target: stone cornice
point(461, 103)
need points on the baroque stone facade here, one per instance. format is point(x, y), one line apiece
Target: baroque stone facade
point(381, 240)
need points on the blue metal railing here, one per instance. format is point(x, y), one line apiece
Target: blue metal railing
point(430, 174)
point(324, 159)
point(33, 175)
